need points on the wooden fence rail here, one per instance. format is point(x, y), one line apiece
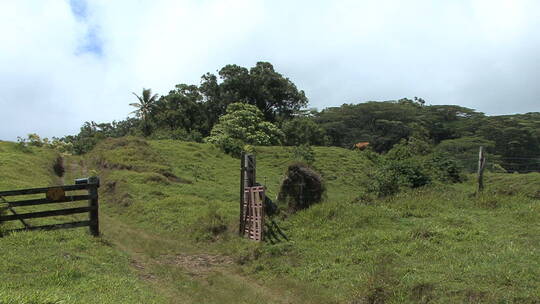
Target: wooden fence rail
point(55, 195)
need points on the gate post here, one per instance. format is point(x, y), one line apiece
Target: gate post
point(242, 179)
point(93, 184)
point(247, 179)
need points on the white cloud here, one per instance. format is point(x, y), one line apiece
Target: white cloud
point(481, 54)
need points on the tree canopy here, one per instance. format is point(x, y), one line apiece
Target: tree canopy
point(245, 123)
point(259, 106)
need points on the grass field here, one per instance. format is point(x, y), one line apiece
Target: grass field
point(169, 213)
point(61, 266)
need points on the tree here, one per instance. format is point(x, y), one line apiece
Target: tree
point(304, 131)
point(144, 107)
point(181, 109)
point(382, 124)
point(276, 96)
point(244, 123)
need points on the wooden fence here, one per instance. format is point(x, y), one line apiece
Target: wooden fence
point(253, 212)
point(54, 195)
point(247, 179)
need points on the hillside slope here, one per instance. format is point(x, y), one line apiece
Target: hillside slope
point(58, 266)
point(172, 207)
point(437, 243)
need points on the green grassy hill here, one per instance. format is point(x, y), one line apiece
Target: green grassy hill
point(169, 213)
point(60, 266)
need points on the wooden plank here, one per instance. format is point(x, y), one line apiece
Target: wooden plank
point(42, 190)
point(93, 183)
point(55, 226)
point(42, 201)
point(45, 213)
point(241, 226)
point(254, 213)
point(25, 224)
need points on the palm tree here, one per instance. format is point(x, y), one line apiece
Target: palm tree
point(143, 107)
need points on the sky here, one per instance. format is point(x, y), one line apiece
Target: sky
point(64, 62)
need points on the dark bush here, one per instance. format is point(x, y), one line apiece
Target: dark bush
point(231, 146)
point(302, 187)
point(445, 168)
point(58, 166)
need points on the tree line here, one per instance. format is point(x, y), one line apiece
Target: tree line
point(259, 106)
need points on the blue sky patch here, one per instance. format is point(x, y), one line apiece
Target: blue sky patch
point(91, 42)
point(78, 8)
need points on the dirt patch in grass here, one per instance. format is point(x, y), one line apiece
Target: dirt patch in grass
point(173, 178)
point(116, 195)
point(198, 264)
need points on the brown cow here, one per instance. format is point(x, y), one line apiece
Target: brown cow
point(361, 145)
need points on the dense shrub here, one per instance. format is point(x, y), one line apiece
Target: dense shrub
point(408, 148)
point(302, 187)
point(58, 166)
point(304, 131)
point(445, 168)
point(245, 122)
point(303, 153)
point(60, 145)
point(231, 146)
point(391, 175)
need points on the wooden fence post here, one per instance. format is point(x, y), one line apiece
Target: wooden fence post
point(481, 166)
point(93, 184)
point(242, 181)
point(247, 179)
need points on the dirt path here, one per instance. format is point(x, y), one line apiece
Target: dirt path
point(168, 266)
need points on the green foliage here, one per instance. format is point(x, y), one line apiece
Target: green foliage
point(91, 133)
point(277, 97)
point(198, 108)
point(34, 140)
point(465, 151)
point(304, 131)
point(231, 146)
point(514, 140)
point(391, 175)
point(408, 148)
point(382, 124)
point(181, 110)
point(445, 168)
point(304, 153)
point(243, 124)
point(143, 109)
